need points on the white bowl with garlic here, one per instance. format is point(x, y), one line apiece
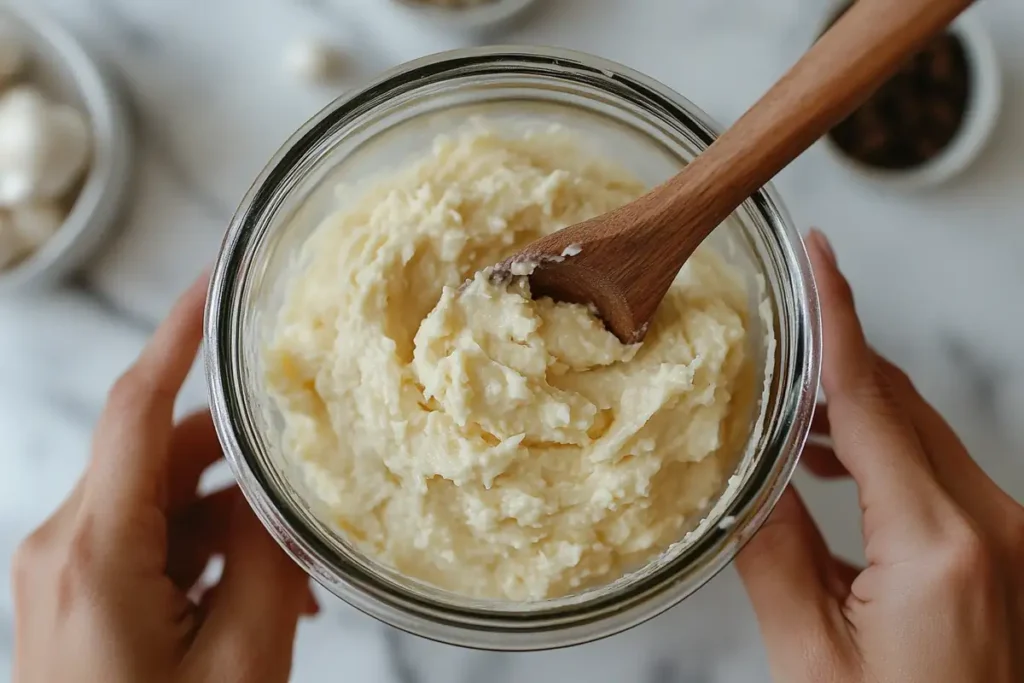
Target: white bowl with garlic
point(65, 153)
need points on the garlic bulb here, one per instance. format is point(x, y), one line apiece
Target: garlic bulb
point(44, 147)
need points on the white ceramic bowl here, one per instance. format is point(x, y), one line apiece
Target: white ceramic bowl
point(984, 103)
point(60, 65)
point(488, 14)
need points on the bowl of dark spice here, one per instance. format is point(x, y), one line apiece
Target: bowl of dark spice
point(931, 119)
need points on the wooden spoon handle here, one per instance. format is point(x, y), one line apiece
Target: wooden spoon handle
point(863, 49)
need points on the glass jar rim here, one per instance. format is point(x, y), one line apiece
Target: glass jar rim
point(569, 623)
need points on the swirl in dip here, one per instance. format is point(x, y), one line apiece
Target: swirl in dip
point(480, 441)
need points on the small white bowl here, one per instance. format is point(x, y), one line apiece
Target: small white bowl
point(62, 68)
point(983, 106)
point(479, 17)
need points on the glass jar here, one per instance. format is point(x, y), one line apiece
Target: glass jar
point(641, 124)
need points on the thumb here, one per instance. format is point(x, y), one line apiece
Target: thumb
point(249, 630)
point(785, 570)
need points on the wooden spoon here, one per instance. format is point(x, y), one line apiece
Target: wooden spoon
point(624, 261)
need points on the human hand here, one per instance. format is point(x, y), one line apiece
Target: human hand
point(942, 597)
point(101, 588)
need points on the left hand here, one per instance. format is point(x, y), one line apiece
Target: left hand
point(101, 589)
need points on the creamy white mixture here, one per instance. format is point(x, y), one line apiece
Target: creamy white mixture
point(481, 441)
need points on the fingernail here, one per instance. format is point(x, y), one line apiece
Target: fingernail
point(824, 246)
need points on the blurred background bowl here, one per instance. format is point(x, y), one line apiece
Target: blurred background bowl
point(487, 14)
point(62, 68)
point(983, 105)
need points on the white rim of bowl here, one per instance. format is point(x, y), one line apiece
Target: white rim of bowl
point(487, 13)
point(985, 96)
point(105, 186)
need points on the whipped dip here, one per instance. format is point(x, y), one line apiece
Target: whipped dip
point(479, 440)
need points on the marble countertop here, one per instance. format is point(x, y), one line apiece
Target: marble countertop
point(937, 275)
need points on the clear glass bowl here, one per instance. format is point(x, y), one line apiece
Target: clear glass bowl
point(630, 118)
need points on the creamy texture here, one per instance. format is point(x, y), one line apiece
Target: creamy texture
point(476, 439)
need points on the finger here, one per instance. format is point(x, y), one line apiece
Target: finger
point(312, 606)
point(129, 466)
point(956, 470)
point(846, 572)
point(819, 422)
point(784, 568)
point(822, 462)
point(818, 455)
point(197, 533)
point(59, 525)
point(194, 447)
point(874, 439)
point(203, 595)
point(253, 616)
point(841, 575)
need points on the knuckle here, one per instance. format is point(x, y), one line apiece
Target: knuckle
point(80, 549)
point(882, 385)
point(876, 392)
point(967, 558)
point(896, 376)
point(846, 292)
point(26, 560)
point(65, 564)
point(136, 391)
point(127, 391)
point(838, 290)
point(74, 574)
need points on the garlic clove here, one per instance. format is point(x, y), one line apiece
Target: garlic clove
point(70, 148)
point(12, 247)
point(313, 61)
point(44, 147)
point(35, 223)
point(23, 143)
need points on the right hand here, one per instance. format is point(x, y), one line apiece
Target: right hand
point(942, 597)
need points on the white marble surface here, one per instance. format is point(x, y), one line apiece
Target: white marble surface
point(938, 276)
